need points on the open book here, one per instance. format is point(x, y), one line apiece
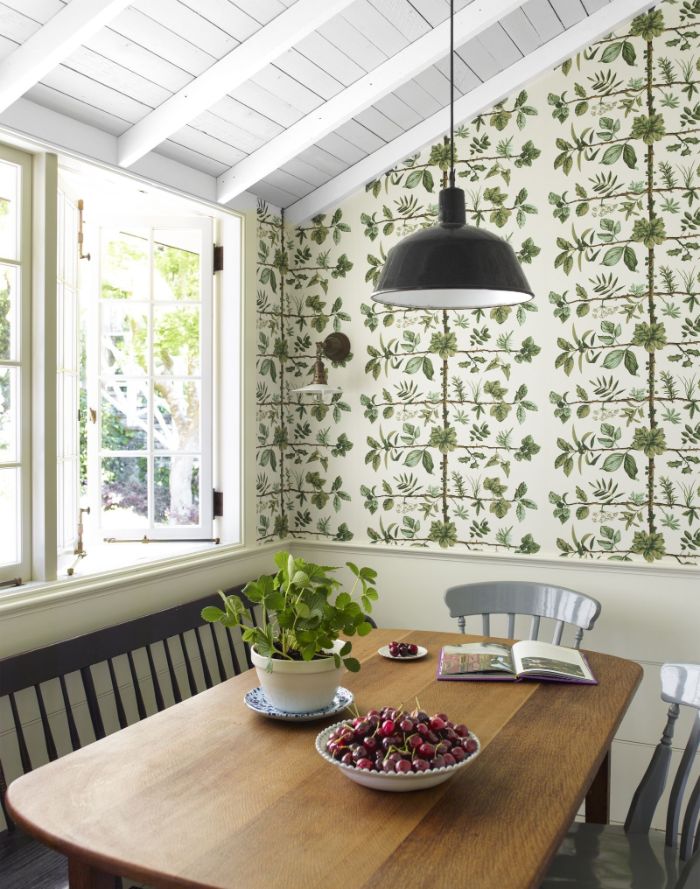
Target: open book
point(522, 660)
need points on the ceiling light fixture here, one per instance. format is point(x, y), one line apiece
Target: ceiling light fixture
point(335, 347)
point(452, 265)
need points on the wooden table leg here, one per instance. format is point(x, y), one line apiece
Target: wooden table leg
point(85, 876)
point(598, 796)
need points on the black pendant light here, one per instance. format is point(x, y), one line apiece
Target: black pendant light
point(452, 265)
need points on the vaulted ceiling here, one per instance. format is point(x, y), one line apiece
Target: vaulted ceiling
point(298, 102)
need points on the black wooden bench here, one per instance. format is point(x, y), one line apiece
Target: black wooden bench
point(61, 697)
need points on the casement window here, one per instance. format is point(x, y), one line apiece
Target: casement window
point(123, 447)
point(15, 375)
point(149, 381)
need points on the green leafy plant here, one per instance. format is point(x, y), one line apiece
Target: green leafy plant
point(303, 611)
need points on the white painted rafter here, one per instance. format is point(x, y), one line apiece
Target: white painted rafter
point(480, 99)
point(52, 43)
point(385, 78)
point(237, 66)
point(32, 126)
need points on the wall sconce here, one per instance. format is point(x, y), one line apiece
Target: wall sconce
point(335, 347)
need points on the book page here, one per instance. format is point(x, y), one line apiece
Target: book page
point(545, 659)
point(476, 657)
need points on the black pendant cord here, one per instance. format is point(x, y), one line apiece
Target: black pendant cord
point(452, 93)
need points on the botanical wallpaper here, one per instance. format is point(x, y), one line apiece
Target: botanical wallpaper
point(569, 426)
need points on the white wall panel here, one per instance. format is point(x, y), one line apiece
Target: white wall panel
point(195, 159)
point(155, 37)
point(237, 114)
point(180, 19)
point(543, 18)
point(405, 17)
point(500, 45)
point(127, 53)
point(398, 111)
point(378, 124)
point(339, 146)
point(262, 10)
point(380, 30)
point(224, 15)
point(331, 58)
point(569, 11)
point(348, 39)
point(15, 25)
point(114, 76)
point(416, 97)
point(60, 101)
point(307, 71)
point(39, 10)
point(360, 136)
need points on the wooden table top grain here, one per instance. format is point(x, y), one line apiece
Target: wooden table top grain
point(210, 794)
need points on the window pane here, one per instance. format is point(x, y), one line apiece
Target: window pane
point(124, 269)
point(10, 178)
point(9, 509)
point(124, 492)
point(176, 415)
point(9, 415)
point(176, 265)
point(176, 485)
point(9, 313)
point(123, 417)
point(176, 341)
point(124, 340)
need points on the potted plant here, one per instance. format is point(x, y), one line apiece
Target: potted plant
point(296, 648)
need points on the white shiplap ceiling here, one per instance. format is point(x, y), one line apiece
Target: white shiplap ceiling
point(295, 101)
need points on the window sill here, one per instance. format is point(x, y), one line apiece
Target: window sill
point(30, 595)
point(118, 556)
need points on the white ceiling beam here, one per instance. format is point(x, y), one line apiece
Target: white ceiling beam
point(52, 43)
point(242, 63)
point(32, 127)
point(478, 100)
point(385, 78)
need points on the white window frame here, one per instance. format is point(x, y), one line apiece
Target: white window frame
point(233, 427)
point(204, 529)
point(21, 568)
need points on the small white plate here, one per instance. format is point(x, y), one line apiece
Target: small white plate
point(384, 651)
point(255, 700)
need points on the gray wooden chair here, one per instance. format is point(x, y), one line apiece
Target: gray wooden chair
point(595, 856)
point(522, 597)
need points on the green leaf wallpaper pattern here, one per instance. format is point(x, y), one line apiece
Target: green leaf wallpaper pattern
point(568, 426)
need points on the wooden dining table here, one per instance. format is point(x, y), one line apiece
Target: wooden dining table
point(210, 794)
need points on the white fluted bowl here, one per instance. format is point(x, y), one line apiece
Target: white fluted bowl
point(392, 780)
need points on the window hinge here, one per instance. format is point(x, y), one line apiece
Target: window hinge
point(218, 257)
point(218, 504)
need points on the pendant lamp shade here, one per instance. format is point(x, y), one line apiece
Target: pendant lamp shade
point(452, 266)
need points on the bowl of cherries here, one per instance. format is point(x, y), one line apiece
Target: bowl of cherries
point(391, 749)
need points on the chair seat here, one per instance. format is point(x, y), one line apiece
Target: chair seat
point(596, 856)
point(26, 863)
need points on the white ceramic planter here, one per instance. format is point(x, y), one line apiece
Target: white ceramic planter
point(299, 686)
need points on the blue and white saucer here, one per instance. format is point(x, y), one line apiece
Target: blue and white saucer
point(256, 701)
